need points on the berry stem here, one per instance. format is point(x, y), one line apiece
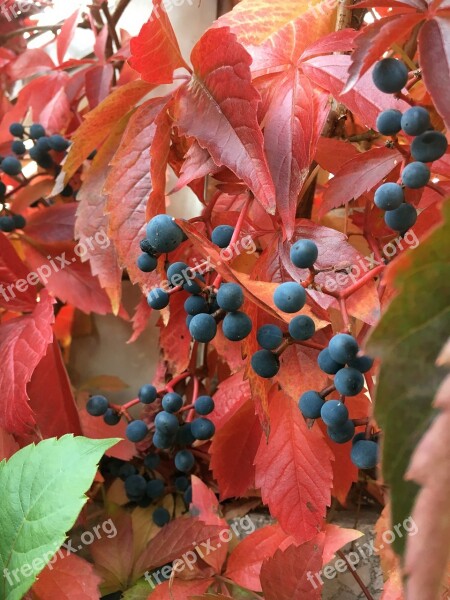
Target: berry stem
point(361, 282)
point(173, 382)
point(127, 405)
point(327, 391)
point(344, 313)
point(355, 575)
point(283, 346)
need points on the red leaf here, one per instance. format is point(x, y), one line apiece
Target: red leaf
point(358, 176)
point(155, 53)
point(99, 122)
point(206, 506)
point(56, 115)
point(100, 43)
point(198, 163)
point(98, 84)
point(140, 319)
point(53, 225)
point(180, 590)
point(230, 396)
point(293, 124)
point(293, 470)
point(434, 50)
point(338, 41)
point(68, 578)
point(335, 538)
point(31, 62)
point(300, 372)
point(177, 538)
point(147, 127)
point(375, 39)
point(12, 272)
point(175, 340)
point(332, 154)
point(23, 343)
point(8, 445)
point(364, 100)
point(51, 396)
point(97, 429)
point(288, 574)
point(221, 91)
point(233, 452)
point(92, 222)
point(66, 34)
point(245, 562)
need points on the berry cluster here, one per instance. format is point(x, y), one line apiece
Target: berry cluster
point(289, 297)
point(171, 432)
point(341, 359)
point(390, 76)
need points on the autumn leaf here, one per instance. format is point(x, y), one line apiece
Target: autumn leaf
point(293, 470)
point(27, 336)
point(409, 339)
point(155, 53)
point(222, 92)
point(68, 578)
point(13, 271)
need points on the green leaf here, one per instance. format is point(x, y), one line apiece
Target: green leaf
point(140, 591)
point(409, 339)
point(43, 488)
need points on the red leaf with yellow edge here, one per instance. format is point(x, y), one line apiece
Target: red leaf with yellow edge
point(233, 450)
point(253, 21)
point(131, 178)
point(293, 470)
point(289, 573)
point(92, 222)
point(23, 344)
point(98, 124)
point(221, 91)
point(155, 52)
point(68, 578)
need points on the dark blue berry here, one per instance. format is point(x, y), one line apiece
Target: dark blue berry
point(389, 196)
point(269, 337)
point(236, 326)
point(7, 224)
point(58, 143)
point(162, 441)
point(16, 129)
point(416, 120)
point(166, 423)
point(416, 175)
point(302, 327)
point(204, 405)
point(136, 431)
point(126, 470)
point(18, 148)
point(36, 131)
point(349, 381)
point(265, 363)
point(203, 328)
point(402, 218)
point(135, 485)
point(147, 394)
point(19, 221)
point(147, 263)
point(158, 299)
point(163, 234)
point(342, 434)
point(290, 297)
point(343, 347)
point(327, 364)
point(334, 413)
point(429, 146)
point(304, 254)
point(111, 417)
point(389, 122)
point(230, 297)
point(390, 75)
point(161, 516)
point(11, 166)
point(221, 235)
point(184, 460)
point(362, 363)
point(155, 488)
point(172, 402)
point(202, 429)
point(364, 454)
point(310, 404)
point(195, 305)
point(97, 406)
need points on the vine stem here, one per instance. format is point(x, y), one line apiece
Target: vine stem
point(327, 391)
point(355, 575)
point(173, 382)
point(236, 234)
point(361, 282)
point(344, 313)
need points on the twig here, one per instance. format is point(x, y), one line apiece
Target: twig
point(355, 575)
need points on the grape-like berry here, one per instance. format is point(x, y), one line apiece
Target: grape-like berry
point(195, 305)
point(36, 131)
point(429, 146)
point(161, 516)
point(203, 328)
point(230, 297)
point(327, 364)
point(349, 381)
point(265, 363)
point(390, 75)
point(126, 470)
point(269, 336)
point(163, 234)
point(135, 486)
point(184, 461)
point(147, 394)
point(221, 235)
point(310, 404)
point(416, 175)
point(364, 454)
point(389, 196)
point(304, 254)
point(389, 121)
point(362, 363)
point(155, 488)
point(136, 431)
point(172, 402)
point(11, 166)
point(18, 147)
point(202, 429)
point(204, 405)
point(236, 326)
point(111, 417)
point(158, 299)
point(97, 406)
point(146, 263)
point(290, 297)
point(343, 347)
point(7, 224)
point(402, 218)
point(58, 143)
point(416, 120)
point(302, 327)
point(342, 433)
point(16, 129)
point(334, 413)
point(166, 423)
